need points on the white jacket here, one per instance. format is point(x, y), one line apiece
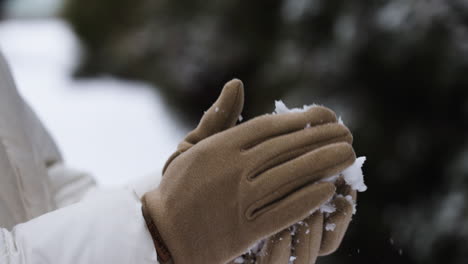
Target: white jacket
point(50, 214)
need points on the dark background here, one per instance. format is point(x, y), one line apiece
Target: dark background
point(397, 71)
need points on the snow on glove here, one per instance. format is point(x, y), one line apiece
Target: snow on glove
point(319, 234)
point(336, 223)
point(246, 183)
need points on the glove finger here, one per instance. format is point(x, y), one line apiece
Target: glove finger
point(222, 115)
point(343, 189)
point(288, 210)
point(280, 181)
point(259, 129)
point(306, 242)
point(335, 225)
point(281, 149)
point(277, 249)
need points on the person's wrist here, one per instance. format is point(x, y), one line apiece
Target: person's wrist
point(164, 256)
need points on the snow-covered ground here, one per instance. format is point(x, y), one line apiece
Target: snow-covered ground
point(115, 129)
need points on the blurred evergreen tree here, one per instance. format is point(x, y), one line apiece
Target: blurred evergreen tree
point(396, 69)
point(2, 8)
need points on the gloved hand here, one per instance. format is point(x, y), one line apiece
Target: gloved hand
point(308, 239)
point(227, 191)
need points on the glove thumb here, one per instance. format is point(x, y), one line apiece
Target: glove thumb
point(222, 115)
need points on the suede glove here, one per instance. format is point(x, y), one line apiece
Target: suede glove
point(224, 114)
point(231, 189)
point(318, 235)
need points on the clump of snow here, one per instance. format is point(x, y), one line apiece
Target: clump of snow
point(281, 108)
point(292, 259)
point(330, 227)
point(327, 207)
point(353, 175)
point(240, 118)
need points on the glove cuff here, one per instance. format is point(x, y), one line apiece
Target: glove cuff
point(164, 256)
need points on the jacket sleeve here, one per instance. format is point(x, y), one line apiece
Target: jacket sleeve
point(106, 229)
point(69, 185)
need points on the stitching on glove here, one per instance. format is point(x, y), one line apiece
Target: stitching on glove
point(260, 206)
point(275, 161)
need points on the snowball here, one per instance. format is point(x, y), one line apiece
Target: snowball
point(353, 175)
point(330, 227)
point(240, 118)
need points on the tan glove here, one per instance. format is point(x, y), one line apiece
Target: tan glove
point(223, 115)
point(310, 237)
point(238, 186)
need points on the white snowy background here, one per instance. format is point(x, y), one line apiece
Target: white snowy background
point(117, 130)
